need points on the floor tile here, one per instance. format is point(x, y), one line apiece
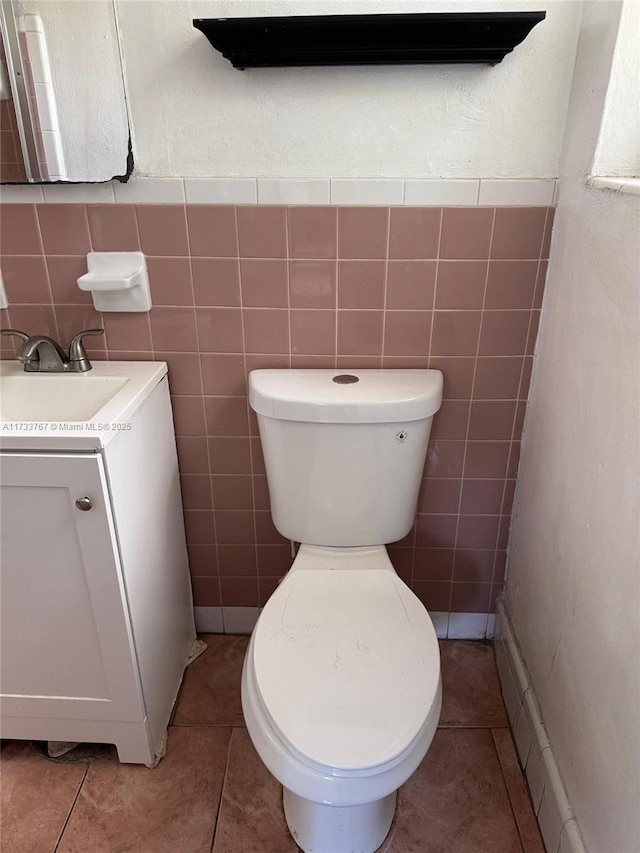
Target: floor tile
point(251, 818)
point(37, 796)
point(467, 796)
point(518, 792)
point(131, 809)
point(456, 801)
point(470, 688)
point(210, 695)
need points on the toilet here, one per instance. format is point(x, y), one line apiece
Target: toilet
point(341, 688)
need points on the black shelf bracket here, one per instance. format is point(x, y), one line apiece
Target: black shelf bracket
point(425, 38)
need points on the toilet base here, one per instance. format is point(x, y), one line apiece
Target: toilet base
point(317, 828)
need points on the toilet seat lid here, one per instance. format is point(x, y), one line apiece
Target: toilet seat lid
point(347, 666)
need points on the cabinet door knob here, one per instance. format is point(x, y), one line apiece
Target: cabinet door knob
point(84, 503)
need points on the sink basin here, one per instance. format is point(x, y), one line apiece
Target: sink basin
point(56, 397)
point(72, 411)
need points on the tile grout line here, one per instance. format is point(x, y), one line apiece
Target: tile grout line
point(473, 383)
point(148, 313)
point(46, 266)
point(346, 260)
point(435, 285)
point(248, 416)
point(429, 357)
point(35, 208)
point(204, 415)
point(222, 788)
point(383, 342)
point(73, 805)
point(287, 261)
point(336, 299)
point(515, 414)
point(508, 789)
point(524, 782)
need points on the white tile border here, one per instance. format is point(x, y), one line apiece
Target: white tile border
point(556, 819)
point(79, 193)
point(303, 191)
point(208, 620)
point(491, 626)
point(220, 190)
point(503, 193)
point(367, 191)
point(440, 623)
point(467, 626)
point(435, 193)
point(149, 191)
point(316, 191)
point(239, 620)
point(242, 620)
point(21, 194)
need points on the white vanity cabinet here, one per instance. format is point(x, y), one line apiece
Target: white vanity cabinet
point(96, 613)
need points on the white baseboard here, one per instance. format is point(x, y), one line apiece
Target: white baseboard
point(559, 828)
point(241, 620)
point(208, 620)
point(225, 620)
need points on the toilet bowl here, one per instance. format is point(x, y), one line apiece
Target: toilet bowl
point(341, 694)
point(341, 689)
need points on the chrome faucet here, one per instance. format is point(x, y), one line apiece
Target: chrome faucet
point(41, 354)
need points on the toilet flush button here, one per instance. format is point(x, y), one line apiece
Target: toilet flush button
point(401, 436)
point(346, 379)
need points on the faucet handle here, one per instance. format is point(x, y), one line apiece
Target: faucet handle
point(76, 347)
point(77, 352)
point(15, 333)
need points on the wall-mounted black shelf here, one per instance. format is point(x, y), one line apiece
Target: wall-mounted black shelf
point(426, 38)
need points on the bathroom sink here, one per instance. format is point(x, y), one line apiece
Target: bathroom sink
point(56, 397)
point(71, 411)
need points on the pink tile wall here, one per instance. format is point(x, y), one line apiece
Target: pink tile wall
point(235, 289)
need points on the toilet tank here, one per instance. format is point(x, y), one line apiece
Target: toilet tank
point(344, 453)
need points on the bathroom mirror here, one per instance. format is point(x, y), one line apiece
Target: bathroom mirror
point(63, 113)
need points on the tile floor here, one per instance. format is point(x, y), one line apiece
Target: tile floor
point(211, 794)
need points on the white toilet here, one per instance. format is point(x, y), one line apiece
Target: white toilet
point(341, 687)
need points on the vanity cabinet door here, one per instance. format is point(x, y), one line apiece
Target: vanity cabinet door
point(67, 649)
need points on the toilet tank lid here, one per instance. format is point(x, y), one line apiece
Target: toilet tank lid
point(359, 396)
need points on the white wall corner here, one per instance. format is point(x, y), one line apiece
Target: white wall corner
point(570, 838)
point(558, 825)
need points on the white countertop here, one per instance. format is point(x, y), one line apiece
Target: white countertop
point(94, 433)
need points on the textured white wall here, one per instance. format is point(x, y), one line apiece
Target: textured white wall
point(573, 589)
point(193, 114)
point(87, 76)
point(618, 149)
